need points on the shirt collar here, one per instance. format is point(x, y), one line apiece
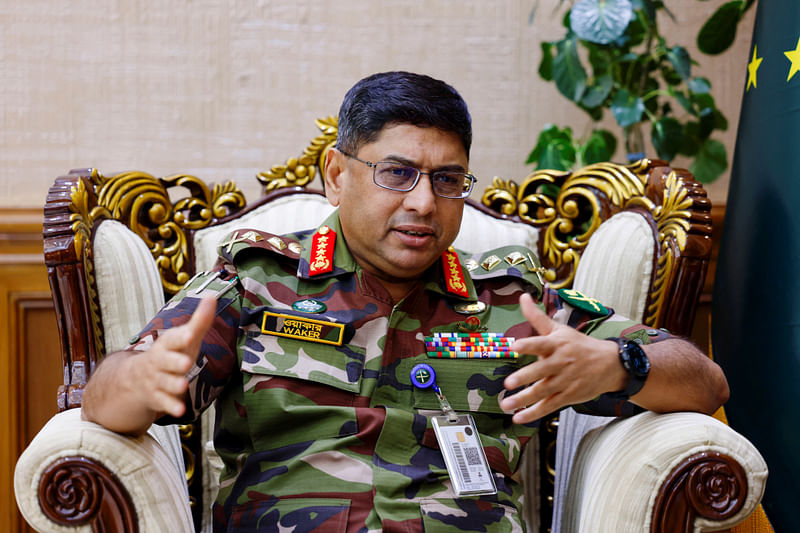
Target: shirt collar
point(344, 262)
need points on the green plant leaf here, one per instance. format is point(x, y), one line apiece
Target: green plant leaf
point(711, 161)
point(546, 64)
point(680, 60)
point(667, 136)
point(626, 108)
point(557, 157)
point(630, 56)
point(600, 21)
point(568, 72)
point(633, 35)
point(691, 139)
point(648, 7)
point(720, 122)
point(682, 99)
point(597, 92)
point(600, 147)
point(554, 149)
point(719, 31)
point(704, 102)
point(699, 85)
point(550, 134)
point(670, 75)
point(600, 57)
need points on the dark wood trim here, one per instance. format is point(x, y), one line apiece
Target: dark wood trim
point(718, 220)
point(75, 491)
point(23, 289)
point(707, 485)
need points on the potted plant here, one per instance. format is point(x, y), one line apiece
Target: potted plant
point(645, 82)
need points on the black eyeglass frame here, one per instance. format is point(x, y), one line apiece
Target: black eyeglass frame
point(472, 179)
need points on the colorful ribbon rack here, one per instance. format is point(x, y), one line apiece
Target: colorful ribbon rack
point(470, 346)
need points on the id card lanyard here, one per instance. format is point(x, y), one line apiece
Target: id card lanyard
point(459, 441)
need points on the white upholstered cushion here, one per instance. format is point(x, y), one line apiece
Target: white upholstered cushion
point(615, 268)
point(481, 232)
point(156, 485)
point(128, 283)
point(616, 265)
point(619, 468)
point(284, 215)
point(296, 212)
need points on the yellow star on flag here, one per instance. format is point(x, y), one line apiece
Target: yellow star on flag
point(794, 57)
point(752, 69)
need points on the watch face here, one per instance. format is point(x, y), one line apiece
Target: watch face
point(640, 364)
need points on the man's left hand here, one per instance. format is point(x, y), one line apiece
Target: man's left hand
point(571, 368)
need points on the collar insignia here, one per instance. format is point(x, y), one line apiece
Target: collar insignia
point(322, 246)
point(453, 274)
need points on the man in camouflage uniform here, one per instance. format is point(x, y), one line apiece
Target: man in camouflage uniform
point(310, 344)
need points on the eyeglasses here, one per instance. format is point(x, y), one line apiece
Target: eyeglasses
point(399, 177)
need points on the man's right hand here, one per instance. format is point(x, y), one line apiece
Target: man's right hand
point(130, 390)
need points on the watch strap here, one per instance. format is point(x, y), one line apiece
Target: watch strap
point(635, 380)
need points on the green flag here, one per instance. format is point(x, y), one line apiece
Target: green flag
point(756, 307)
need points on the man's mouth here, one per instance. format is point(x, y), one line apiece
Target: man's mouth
point(415, 233)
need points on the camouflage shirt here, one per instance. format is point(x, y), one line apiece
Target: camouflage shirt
point(320, 436)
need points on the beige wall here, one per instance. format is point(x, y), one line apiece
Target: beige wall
point(226, 89)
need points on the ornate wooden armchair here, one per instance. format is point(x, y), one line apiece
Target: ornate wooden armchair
point(637, 237)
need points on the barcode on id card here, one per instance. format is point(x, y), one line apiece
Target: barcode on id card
point(472, 455)
point(462, 465)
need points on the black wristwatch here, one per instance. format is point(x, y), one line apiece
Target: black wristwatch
point(635, 363)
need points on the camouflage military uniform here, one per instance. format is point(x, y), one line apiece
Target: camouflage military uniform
point(320, 437)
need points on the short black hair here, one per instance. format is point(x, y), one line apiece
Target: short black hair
point(400, 98)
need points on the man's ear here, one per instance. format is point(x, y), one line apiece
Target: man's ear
point(335, 162)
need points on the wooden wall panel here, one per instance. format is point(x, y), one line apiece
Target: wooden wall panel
point(30, 361)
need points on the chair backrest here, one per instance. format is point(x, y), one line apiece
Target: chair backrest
point(636, 236)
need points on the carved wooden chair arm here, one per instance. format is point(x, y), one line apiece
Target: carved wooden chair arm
point(78, 473)
point(677, 472)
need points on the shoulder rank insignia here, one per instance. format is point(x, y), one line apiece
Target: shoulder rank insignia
point(322, 246)
point(580, 301)
point(453, 274)
point(252, 238)
point(246, 236)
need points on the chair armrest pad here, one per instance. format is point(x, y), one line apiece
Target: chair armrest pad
point(71, 465)
point(632, 473)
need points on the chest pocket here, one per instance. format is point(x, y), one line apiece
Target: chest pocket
point(291, 381)
point(472, 385)
point(297, 346)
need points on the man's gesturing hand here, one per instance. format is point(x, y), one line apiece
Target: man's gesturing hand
point(571, 368)
point(129, 391)
point(161, 371)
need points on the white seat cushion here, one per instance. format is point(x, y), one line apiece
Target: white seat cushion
point(284, 215)
point(128, 283)
point(617, 264)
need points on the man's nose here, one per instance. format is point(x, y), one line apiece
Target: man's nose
point(421, 198)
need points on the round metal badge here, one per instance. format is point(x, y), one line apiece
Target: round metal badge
point(309, 305)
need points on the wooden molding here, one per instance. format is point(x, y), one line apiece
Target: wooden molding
point(28, 344)
point(76, 491)
point(707, 485)
point(717, 221)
